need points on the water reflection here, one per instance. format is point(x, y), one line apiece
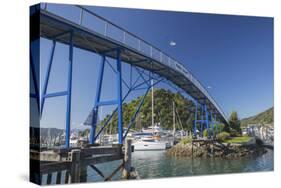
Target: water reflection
point(155, 164)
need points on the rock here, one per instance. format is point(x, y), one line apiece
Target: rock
point(215, 150)
point(133, 174)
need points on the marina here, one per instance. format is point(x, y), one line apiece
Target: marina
point(145, 115)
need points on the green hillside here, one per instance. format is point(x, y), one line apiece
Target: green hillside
point(263, 118)
point(163, 111)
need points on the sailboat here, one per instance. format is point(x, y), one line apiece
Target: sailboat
point(148, 139)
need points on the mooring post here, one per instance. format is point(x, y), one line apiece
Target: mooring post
point(58, 179)
point(75, 166)
point(127, 159)
point(83, 173)
point(49, 179)
point(67, 177)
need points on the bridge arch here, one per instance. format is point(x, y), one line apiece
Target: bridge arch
point(141, 55)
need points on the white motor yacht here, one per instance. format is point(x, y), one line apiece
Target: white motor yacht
point(146, 141)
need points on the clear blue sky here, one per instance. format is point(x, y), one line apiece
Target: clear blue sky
point(231, 54)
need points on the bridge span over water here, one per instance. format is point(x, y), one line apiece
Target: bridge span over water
point(115, 42)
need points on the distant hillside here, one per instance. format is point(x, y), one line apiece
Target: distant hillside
point(263, 117)
point(50, 132)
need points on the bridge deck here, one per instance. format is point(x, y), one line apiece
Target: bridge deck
point(52, 25)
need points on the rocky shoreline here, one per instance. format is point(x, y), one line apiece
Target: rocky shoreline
point(215, 149)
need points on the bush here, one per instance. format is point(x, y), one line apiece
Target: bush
point(186, 140)
point(205, 133)
point(234, 133)
point(219, 127)
point(223, 136)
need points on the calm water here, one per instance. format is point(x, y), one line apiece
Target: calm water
point(155, 164)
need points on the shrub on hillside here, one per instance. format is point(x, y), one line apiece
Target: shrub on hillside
point(234, 133)
point(223, 136)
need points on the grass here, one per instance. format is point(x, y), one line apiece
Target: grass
point(186, 140)
point(240, 139)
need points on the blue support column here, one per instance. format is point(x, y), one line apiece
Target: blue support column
point(136, 112)
point(212, 122)
point(201, 122)
point(195, 120)
point(131, 78)
point(35, 82)
point(207, 119)
point(119, 97)
point(97, 100)
point(107, 121)
point(45, 86)
point(216, 125)
point(69, 89)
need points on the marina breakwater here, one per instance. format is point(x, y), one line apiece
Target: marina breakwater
point(215, 149)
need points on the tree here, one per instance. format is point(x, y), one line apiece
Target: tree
point(86, 132)
point(234, 122)
point(163, 111)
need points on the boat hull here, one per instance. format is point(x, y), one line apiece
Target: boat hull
point(140, 146)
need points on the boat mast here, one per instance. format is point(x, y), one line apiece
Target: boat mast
point(179, 121)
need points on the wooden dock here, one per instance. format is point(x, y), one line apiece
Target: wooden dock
point(74, 162)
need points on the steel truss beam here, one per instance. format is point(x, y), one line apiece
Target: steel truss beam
point(205, 121)
point(35, 82)
point(136, 112)
point(132, 88)
point(123, 81)
point(66, 93)
point(138, 53)
point(118, 100)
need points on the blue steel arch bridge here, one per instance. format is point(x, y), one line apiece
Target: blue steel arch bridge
point(149, 62)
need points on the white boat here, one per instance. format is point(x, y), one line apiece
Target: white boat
point(156, 130)
point(149, 145)
point(150, 138)
point(73, 142)
point(146, 141)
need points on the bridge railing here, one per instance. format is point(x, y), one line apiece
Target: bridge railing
point(88, 19)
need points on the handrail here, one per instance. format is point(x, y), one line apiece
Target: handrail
point(126, 31)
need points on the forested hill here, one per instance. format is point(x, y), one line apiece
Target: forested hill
point(263, 118)
point(163, 111)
